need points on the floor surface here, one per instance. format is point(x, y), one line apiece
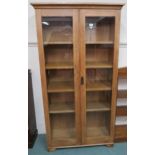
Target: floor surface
point(40, 149)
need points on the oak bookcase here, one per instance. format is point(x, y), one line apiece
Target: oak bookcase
point(78, 50)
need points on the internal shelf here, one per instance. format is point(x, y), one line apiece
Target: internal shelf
point(56, 108)
point(65, 86)
point(98, 86)
point(98, 65)
point(60, 65)
point(98, 106)
point(100, 42)
point(57, 43)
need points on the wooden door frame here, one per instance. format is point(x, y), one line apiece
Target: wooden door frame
point(43, 75)
point(93, 13)
point(61, 13)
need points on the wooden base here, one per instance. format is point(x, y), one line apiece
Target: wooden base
point(50, 149)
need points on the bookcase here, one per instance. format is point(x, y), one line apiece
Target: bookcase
point(78, 51)
point(121, 108)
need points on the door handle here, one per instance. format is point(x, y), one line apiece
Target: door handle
point(82, 80)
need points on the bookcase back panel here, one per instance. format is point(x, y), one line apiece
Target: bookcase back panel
point(61, 97)
point(99, 96)
point(100, 75)
point(61, 75)
point(99, 53)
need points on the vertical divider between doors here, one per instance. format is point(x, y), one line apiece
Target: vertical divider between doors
point(76, 56)
point(83, 74)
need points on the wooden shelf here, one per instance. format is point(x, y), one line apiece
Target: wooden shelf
point(100, 42)
point(67, 86)
point(98, 65)
point(58, 43)
point(60, 65)
point(97, 131)
point(56, 108)
point(98, 86)
point(98, 106)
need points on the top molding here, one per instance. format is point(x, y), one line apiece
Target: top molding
point(116, 6)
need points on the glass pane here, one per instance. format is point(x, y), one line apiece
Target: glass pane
point(98, 79)
point(99, 64)
point(99, 56)
point(98, 101)
point(63, 127)
point(98, 124)
point(57, 29)
point(59, 56)
point(60, 80)
point(58, 47)
point(58, 50)
point(99, 29)
point(98, 110)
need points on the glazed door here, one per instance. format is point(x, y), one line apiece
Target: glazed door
point(59, 55)
point(99, 55)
